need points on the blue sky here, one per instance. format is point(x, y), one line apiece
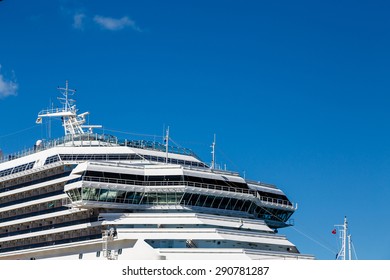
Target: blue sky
point(297, 93)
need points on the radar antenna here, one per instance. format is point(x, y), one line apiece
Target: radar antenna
point(72, 122)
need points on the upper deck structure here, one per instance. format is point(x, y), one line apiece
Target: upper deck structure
point(91, 196)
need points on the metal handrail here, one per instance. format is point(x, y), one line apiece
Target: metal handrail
point(101, 138)
point(51, 111)
point(166, 183)
point(265, 199)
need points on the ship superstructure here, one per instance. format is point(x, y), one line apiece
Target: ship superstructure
point(93, 196)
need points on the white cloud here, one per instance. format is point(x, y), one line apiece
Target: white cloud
point(7, 87)
point(78, 21)
point(114, 24)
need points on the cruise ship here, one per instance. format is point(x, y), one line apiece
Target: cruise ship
point(93, 196)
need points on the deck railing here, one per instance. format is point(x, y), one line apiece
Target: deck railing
point(265, 199)
point(94, 139)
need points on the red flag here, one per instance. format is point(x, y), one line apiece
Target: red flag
point(334, 231)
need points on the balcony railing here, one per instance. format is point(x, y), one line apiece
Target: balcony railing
point(264, 199)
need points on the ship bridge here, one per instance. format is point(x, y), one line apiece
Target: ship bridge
point(172, 187)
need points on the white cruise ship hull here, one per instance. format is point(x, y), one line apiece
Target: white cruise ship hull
point(91, 196)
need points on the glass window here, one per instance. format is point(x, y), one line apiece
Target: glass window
point(129, 197)
point(208, 201)
point(85, 193)
point(111, 175)
point(133, 197)
point(149, 198)
point(94, 173)
point(77, 195)
point(111, 196)
point(252, 208)
point(173, 198)
point(186, 199)
point(94, 194)
point(103, 195)
point(236, 203)
point(200, 200)
point(120, 197)
point(228, 204)
point(162, 198)
point(245, 205)
point(217, 201)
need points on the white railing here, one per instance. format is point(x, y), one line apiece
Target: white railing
point(100, 140)
point(264, 199)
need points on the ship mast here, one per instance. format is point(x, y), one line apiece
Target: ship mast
point(72, 122)
point(166, 145)
point(345, 241)
point(213, 154)
point(66, 92)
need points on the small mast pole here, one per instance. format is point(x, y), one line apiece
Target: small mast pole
point(343, 236)
point(213, 153)
point(166, 145)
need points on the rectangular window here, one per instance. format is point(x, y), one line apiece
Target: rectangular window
point(103, 195)
point(217, 202)
point(94, 194)
point(85, 193)
point(120, 196)
point(111, 196)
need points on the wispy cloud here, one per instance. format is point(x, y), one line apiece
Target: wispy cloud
point(114, 24)
point(7, 87)
point(82, 20)
point(78, 21)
